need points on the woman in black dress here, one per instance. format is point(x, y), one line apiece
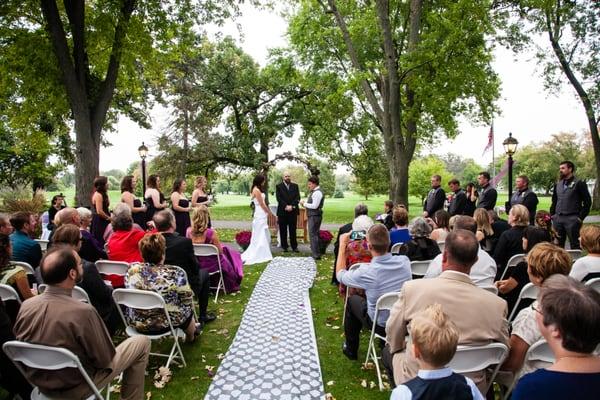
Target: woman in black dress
point(155, 200)
point(100, 213)
point(138, 210)
point(472, 196)
point(181, 207)
point(199, 196)
point(511, 241)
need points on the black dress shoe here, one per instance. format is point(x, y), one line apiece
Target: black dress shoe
point(295, 250)
point(348, 353)
point(285, 250)
point(209, 317)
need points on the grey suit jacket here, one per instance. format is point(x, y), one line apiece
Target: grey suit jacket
point(479, 315)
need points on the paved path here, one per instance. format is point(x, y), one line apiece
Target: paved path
point(274, 354)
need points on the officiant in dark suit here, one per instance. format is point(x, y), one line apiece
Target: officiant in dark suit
point(288, 197)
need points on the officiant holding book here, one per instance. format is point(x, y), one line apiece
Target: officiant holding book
point(288, 197)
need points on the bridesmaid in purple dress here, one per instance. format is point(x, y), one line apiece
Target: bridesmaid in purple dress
point(181, 206)
point(231, 260)
point(138, 210)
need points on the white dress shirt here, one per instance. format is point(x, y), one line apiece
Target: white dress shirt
point(317, 195)
point(483, 272)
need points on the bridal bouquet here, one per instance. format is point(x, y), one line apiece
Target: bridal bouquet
point(243, 239)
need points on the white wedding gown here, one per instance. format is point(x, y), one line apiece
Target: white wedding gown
point(259, 249)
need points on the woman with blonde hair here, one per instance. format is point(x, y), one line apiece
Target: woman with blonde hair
point(231, 260)
point(484, 228)
point(510, 242)
point(588, 267)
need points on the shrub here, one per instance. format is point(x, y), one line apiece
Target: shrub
point(20, 199)
point(338, 194)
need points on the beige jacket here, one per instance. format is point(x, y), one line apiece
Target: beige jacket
point(479, 315)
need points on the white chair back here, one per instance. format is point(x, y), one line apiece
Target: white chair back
point(386, 301)
point(594, 283)
point(46, 358)
point(107, 267)
point(476, 358)
point(396, 248)
point(26, 266)
point(441, 244)
point(77, 293)
point(538, 356)
point(43, 244)
point(419, 268)
point(529, 291)
point(512, 262)
point(205, 250)
point(575, 253)
point(140, 299)
point(9, 293)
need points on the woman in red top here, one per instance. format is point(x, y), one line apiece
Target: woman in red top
point(123, 243)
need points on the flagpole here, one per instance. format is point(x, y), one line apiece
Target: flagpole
point(493, 153)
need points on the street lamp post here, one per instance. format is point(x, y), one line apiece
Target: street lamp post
point(510, 147)
point(143, 152)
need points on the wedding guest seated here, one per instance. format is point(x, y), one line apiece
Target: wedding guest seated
point(12, 274)
point(434, 341)
point(543, 220)
point(11, 378)
point(91, 249)
point(455, 291)
point(5, 226)
point(387, 217)
point(357, 248)
point(441, 219)
point(24, 248)
point(568, 316)
point(123, 243)
point(99, 293)
point(511, 241)
point(485, 232)
point(55, 318)
point(384, 274)
point(483, 272)
point(168, 281)
point(420, 247)
point(510, 288)
point(231, 261)
point(180, 252)
point(67, 215)
point(400, 232)
point(543, 261)
point(360, 209)
point(588, 267)
point(57, 204)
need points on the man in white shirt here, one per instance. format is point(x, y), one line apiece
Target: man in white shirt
point(482, 272)
point(314, 212)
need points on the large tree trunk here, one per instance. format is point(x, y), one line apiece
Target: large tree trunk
point(87, 160)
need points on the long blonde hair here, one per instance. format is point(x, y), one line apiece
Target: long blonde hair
point(199, 220)
point(483, 221)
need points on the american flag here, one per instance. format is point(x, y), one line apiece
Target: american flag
point(490, 139)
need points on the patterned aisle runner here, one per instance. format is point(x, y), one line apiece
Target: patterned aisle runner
point(274, 353)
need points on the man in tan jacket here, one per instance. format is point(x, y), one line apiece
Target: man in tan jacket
point(479, 315)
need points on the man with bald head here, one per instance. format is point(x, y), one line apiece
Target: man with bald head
point(479, 315)
point(55, 318)
point(67, 215)
point(288, 197)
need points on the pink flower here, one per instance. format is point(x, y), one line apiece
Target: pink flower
point(243, 238)
point(325, 236)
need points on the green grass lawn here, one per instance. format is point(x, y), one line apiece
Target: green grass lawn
point(344, 376)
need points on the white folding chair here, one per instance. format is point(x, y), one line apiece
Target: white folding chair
point(47, 358)
point(575, 254)
point(147, 300)
point(492, 289)
point(441, 244)
point(594, 283)
point(43, 244)
point(26, 266)
point(476, 358)
point(352, 268)
point(512, 262)
point(419, 268)
point(396, 248)
point(210, 250)
point(106, 267)
point(385, 302)
point(529, 291)
point(77, 293)
point(538, 356)
point(9, 293)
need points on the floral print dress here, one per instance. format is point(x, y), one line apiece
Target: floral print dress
point(171, 283)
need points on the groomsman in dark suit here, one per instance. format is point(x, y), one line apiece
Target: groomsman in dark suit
point(288, 197)
point(435, 198)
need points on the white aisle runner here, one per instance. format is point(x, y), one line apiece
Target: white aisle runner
point(274, 353)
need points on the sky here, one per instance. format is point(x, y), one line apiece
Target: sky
point(527, 111)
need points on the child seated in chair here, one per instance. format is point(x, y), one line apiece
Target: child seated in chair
point(434, 341)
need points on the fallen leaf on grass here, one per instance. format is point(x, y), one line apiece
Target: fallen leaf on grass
point(148, 395)
point(372, 385)
point(330, 383)
point(329, 396)
point(386, 386)
point(368, 366)
point(220, 356)
point(161, 377)
point(335, 327)
point(332, 318)
point(115, 388)
point(363, 383)
point(194, 378)
point(223, 332)
point(210, 370)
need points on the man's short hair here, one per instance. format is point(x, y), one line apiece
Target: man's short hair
point(546, 259)
point(524, 178)
point(461, 248)
point(589, 236)
point(454, 182)
point(435, 335)
point(568, 164)
point(65, 216)
point(19, 219)
point(66, 234)
point(574, 309)
point(437, 177)
point(56, 264)
point(121, 217)
point(314, 179)
point(164, 220)
point(486, 175)
point(361, 209)
point(379, 238)
point(400, 215)
point(465, 222)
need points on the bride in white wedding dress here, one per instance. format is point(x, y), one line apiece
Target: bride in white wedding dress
point(259, 249)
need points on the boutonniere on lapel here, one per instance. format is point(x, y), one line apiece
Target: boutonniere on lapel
point(571, 185)
point(523, 194)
